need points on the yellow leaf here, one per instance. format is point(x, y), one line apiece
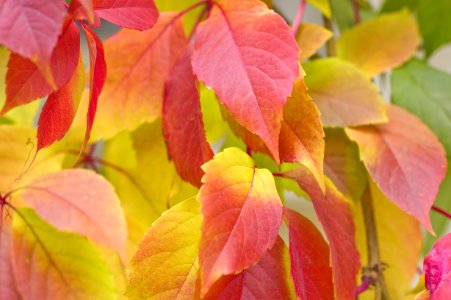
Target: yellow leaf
point(311, 37)
point(322, 5)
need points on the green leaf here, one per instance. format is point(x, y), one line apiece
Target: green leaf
point(434, 18)
point(393, 5)
point(48, 262)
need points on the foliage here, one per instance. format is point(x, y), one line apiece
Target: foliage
point(164, 170)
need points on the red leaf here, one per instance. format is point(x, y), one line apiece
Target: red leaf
point(24, 82)
point(268, 279)
point(30, 28)
point(310, 258)
point(8, 288)
point(437, 269)
point(83, 9)
point(133, 14)
point(254, 47)
point(405, 159)
point(97, 76)
point(182, 120)
point(335, 216)
point(59, 110)
point(242, 215)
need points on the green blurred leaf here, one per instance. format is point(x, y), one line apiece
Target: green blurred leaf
point(393, 5)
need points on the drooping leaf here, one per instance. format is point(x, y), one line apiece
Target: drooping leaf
point(242, 214)
point(434, 20)
point(255, 48)
point(335, 215)
point(400, 240)
point(302, 135)
point(437, 269)
point(182, 122)
point(51, 262)
point(60, 109)
point(27, 29)
point(25, 83)
point(8, 288)
point(310, 258)
point(323, 6)
point(380, 44)
point(166, 264)
point(342, 164)
point(266, 280)
point(80, 201)
point(16, 150)
point(133, 14)
point(133, 91)
point(311, 37)
point(344, 96)
point(97, 77)
point(407, 167)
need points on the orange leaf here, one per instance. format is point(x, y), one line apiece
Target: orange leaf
point(405, 159)
point(254, 48)
point(242, 215)
point(138, 64)
point(311, 38)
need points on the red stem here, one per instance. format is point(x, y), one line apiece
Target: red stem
point(355, 6)
point(298, 19)
point(441, 211)
point(366, 282)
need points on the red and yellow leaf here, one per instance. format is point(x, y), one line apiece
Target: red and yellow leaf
point(133, 14)
point(437, 269)
point(311, 37)
point(302, 135)
point(255, 48)
point(27, 29)
point(266, 280)
point(344, 96)
point(182, 122)
point(405, 159)
point(133, 91)
point(335, 215)
point(310, 258)
point(25, 83)
point(242, 215)
point(60, 109)
point(166, 264)
point(80, 201)
point(380, 44)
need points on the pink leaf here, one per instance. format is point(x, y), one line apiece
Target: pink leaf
point(437, 269)
point(8, 288)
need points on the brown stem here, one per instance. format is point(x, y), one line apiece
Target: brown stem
point(330, 44)
point(375, 267)
point(355, 6)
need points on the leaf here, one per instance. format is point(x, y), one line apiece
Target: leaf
point(302, 135)
point(59, 110)
point(343, 166)
point(432, 19)
point(323, 6)
point(82, 202)
point(394, 5)
point(4, 58)
point(83, 9)
point(133, 14)
point(255, 47)
point(407, 168)
point(26, 29)
point(50, 262)
point(335, 216)
point(437, 269)
point(311, 37)
point(8, 287)
point(165, 265)
point(15, 150)
point(344, 96)
point(380, 44)
point(214, 123)
point(268, 279)
point(97, 77)
point(400, 240)
point(182, 122)
point(310, 261)
point(242, 215)
point(25, 83)
point(133, 91)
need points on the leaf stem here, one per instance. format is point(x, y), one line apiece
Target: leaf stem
point(298, 19)
point(366, 283)
point(355, 6)
point(375, 268)
point(441, 211)
point(330, 44)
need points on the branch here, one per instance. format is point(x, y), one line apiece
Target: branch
point(375, 268)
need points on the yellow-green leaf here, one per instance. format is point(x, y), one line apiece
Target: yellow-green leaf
point(322, 5)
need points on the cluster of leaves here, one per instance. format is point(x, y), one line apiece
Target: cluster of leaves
point(183, 78)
